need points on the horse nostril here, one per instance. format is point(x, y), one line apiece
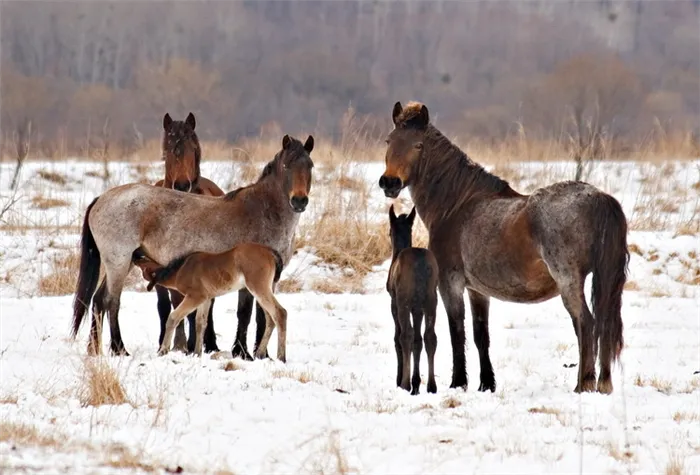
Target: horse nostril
point(382, 182)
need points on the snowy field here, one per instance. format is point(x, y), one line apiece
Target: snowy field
point(334, 407)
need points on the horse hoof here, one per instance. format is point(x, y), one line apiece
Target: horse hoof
point(432, 387)
point(415, 391)
point(181, 347)
point(239, 352)
point(211, 349)
point(483, 387)
point(163, 352)
point(588, 386)
point(119, 352)
point(605, 387)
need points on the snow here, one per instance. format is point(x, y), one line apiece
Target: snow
point(334, 406)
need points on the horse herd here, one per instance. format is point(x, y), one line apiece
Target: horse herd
point(193, 242)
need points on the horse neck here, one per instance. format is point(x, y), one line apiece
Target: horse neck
point(269, 192)
point(399, 243)
point(436, 191)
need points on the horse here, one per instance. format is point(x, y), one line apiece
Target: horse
point(182, 155)
point(412, 285)
point(496, 242)
point(167, 224)
point(201, 276)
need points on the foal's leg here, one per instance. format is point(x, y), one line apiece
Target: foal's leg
point(431, 341)
point(480, 320)
point(115, 275)
point(417, 348)
point(276, 317)
point(260, 324)
point(180, 343)
point(404, 317)
point(187, 305)
point(575, 303)
point(451, 288)
point(397, 342)
point(245, 309)
point(201, 324)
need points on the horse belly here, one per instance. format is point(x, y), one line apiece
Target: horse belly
point(532, 284)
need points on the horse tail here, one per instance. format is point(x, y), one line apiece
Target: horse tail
point(89, 272)
point(610, 259)
point(279, 264)
point(164, 273)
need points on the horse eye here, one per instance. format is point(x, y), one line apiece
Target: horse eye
point(419, 146)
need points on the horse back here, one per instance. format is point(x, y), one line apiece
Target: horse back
point(413, 276)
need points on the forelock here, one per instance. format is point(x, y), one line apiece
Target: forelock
point(409, 112)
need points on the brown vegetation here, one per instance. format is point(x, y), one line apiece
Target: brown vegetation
point(564, 75)
point(100, 384)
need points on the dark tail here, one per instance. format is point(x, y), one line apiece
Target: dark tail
point(164, 273)
point(610, 258)
point(279, 264)
point(89, 273)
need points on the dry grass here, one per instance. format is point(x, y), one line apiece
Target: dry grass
point(621, 455)
point(377, 406)
point(53, 177)
point(62, 276)
point(338, 285)
point(290, 285)
point(661, 385)
point(675, 466)
point(632, 285)
point(232, 365)
point(686, 416)
point(303, 376)
point(450, 402)
point(100, 384)
point(24, 434)
point(7, 398)
point(41, 202)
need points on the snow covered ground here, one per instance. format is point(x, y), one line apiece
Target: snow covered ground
point(333, 408)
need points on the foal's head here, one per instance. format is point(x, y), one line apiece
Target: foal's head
point(181, 152)
point(401, 229)
point(293, 163)
point(405, 146)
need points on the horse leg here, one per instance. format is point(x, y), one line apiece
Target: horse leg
point(180, 343)
point(575, 303)
point(115, 275)
point(210, 345)
point(201, 325)
point(397, 343)
point(480, 321)
point(245, 309)
point(176, 317)
point(406, 338)
point(276, 316)
point(431, 342)
point(164, 308)
point(417, 348)
point(451, 288)
point(98, 309)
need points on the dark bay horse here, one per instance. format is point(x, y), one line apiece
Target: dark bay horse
point(412, 285)
point(496, 242)
point(167, 224)
point(182, 155)
point(201, 276)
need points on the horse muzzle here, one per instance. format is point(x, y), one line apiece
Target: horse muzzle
point(298, 203)
point(392, 185)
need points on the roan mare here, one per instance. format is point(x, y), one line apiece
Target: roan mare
point(496, 242)
point(182, 155)
point(167, 224)
point(412, 285)
point(201, 276)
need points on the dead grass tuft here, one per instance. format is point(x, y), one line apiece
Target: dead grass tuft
point(23, 434)
point(378, 406)
point(41, 202)
point(8, 398)
point(686, 416)
point(100, 384)
point(337, 285)
point(544, 410)
point(632, 285)
point(675, 466)
point(121, 458)
point(290, 285)
point(62, 277)
point(620, 455)
point(303, 376)
point(635, 249)
point(232, 365)
point(53, 177)
point(450, 402)
point(661, 385)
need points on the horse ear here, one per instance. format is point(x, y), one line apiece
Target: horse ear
point(412, 216)
point(286, 141)
point(398, 109)
point(309, 144)
point(423, 118)
point(190, 121)
point(167, 121)
point(392, 215)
